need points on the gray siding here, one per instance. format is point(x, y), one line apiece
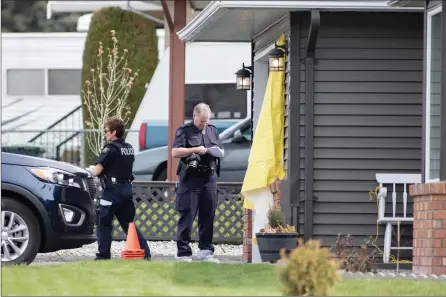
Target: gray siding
point(367, 115)
point(433, 4)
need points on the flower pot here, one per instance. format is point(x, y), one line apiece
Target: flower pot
point(270, 244)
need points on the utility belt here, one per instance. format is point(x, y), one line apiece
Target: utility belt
point(198, 171)
point(112, 181)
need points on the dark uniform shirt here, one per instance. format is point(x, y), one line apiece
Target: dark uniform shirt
point(117, 158)
point(189, 136)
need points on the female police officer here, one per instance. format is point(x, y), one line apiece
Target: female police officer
point(197, 188)
point(115, 166)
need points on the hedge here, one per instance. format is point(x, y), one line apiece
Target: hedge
point(134, 33)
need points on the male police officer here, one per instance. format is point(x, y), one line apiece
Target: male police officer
point(114, 166)
point(197, 187)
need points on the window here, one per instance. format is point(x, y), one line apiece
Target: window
point(433, 95)
point(23, 82)
point(225, 101)
point(64, 81)
point(245, 131)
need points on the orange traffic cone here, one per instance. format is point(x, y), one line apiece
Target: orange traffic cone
point(133, 249)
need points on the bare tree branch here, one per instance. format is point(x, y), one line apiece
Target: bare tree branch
point(106, 94)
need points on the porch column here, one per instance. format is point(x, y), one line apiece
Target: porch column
point(176, 78)
point(429, 228)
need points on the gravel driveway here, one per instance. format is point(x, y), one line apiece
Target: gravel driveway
point(160, 250)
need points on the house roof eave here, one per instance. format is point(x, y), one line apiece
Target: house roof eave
point(218, 10)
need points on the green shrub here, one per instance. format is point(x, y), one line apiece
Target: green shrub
point(276, 217)
point(276, 221)
point(308, 270)
point(137, 37)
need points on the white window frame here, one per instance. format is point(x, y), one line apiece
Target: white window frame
point(5, 73)
point(45, 69)
point(47, 82)
point(430, 14)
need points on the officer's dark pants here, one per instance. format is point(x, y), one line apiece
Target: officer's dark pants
point(196, 195)
point(123, 208)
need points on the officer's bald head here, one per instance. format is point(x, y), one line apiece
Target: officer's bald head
point(202, 114)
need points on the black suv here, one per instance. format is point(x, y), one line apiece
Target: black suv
point(46, 206)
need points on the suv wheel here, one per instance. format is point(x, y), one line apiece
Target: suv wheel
point(162, 176)
point(20, 233)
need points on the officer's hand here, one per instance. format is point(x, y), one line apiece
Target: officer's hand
point(201, 150)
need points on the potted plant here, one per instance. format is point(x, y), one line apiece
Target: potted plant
point(276, 236)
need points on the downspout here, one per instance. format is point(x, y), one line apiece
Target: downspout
point(309, 123)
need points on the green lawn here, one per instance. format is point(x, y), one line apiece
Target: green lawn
point(169, 279)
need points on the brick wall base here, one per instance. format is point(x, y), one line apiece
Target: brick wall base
point(429, 228)
point(247, 235)
point(247, 223)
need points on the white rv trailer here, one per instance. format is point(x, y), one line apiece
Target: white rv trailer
point(41, 79)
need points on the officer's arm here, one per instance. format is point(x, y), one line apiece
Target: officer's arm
point(97, 170)
point(106, 156)
point(179, 149)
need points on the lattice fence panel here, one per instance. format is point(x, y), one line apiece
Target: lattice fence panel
point(157, 218)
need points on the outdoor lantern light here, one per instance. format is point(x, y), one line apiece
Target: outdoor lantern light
point(276, 58)
point(243, 78)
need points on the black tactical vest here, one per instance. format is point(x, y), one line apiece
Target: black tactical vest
point(122, 167)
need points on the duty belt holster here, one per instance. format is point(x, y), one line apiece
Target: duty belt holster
point(96, 209)
point(187, 171)
point(184, 170)
point(106, 181)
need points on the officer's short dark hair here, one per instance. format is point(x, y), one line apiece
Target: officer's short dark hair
point(115, 124)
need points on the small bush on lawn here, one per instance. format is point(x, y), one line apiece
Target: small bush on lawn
point(352, 259)
point(308, 270)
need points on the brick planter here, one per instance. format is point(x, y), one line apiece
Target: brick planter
point(429, 228)
point(247, 235)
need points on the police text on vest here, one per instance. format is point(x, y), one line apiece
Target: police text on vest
point(126, 151)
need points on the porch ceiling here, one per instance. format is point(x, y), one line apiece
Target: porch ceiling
point(405, 3)
point(239, 21)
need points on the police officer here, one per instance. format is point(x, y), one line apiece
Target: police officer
point(114, 166)
point(197, 187)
